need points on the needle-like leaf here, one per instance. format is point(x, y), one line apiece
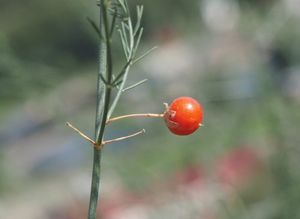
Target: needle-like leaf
point(123, 71)
point(95, 27)
point(139, 13)
point(144, 54)
point(134, 85)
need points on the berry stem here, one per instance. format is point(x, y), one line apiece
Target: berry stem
point(150, 115)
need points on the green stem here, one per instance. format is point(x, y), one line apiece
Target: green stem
point(104, 115)
point(107, 95)
point(108, 41)
point(102, 107)
point(95, 184)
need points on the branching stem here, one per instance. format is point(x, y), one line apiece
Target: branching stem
point(130, 38)
point(99, 146)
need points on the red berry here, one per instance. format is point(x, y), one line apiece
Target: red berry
point(183, 116)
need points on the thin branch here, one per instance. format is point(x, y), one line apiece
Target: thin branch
point(80, 133)
point(121, 2)
point(137, 43)
point(123, 138)
point(134, 85)
point(103, 79)
point(139, 12)
point(123, 71)
point(124, 45)
point(123, 30)
point(118, 95)
point(144, 54)
point(149, 115)
point(113, 22)
point(95, 27)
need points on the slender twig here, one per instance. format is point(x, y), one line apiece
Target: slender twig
point(95, 27)
point(123, 71)
point(138, 40)
point(118, 95)
point(113, 22)
point(81, 133)
point(123, 138)
point(139, 12)
point(151, 115)
point(144, 54)
point(135, 85)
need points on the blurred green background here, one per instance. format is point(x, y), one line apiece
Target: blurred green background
point(239, 58)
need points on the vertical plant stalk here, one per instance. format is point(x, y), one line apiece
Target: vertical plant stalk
point(102, 105)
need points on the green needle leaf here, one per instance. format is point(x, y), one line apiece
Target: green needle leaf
point(138, 39)
point(113, 22)
point(144, 54)
point(95, 27)
point(139, 18)
point(123, 71)
point(134, 85)
point(103, 79)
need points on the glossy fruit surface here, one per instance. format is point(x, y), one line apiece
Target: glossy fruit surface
point(183, 116)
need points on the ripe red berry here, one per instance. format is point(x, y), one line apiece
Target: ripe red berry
point(183, 116)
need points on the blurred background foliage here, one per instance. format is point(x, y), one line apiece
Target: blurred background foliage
point(239, 58)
